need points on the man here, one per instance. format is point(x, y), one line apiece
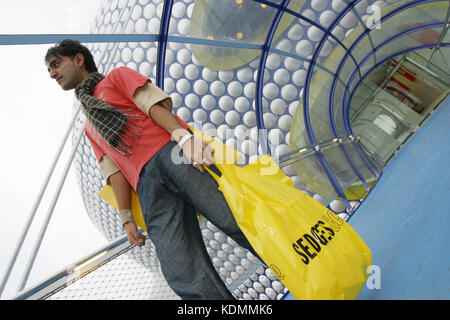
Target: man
point(133, 133)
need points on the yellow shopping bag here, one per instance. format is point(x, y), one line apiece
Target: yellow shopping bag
point(313, 252)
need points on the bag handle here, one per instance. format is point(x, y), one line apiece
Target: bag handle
point(213, 174)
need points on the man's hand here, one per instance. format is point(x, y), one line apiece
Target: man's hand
point(199, 153)
point(134, 237)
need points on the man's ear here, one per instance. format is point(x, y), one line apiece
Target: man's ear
point(79, 60)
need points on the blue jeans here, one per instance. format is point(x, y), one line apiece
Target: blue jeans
point(169, 193)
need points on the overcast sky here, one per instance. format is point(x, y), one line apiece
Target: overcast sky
point(35, 113)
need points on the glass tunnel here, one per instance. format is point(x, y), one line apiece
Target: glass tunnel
point(332, 89)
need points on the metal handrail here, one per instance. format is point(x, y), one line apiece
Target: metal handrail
point(442, 36)
point(76, 271)
point(49, 213)
point(306, 151)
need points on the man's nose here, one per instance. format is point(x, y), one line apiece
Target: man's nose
point(53, 74)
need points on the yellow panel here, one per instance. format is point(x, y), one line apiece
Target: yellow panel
point(226, 58)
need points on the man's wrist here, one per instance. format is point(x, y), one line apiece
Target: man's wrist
point(184, 139)
point(127, 223)
point(125, 215)
point(178, 134)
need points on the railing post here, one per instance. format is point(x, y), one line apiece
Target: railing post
point(49, 213)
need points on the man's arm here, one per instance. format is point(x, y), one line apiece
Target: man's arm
point(122, 191)
point(154, 102)
point(194, 149)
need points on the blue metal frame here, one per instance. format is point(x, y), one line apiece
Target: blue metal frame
point(262, 133)
point(357, 146)
point(336, 134)
point(365, 28)
point(311, 22)
point(375, 171)
point(332, 118)
point(24, 39)
point(311, 67)
point(399, 35)
point(337, 187)
point(295, 56)
point(210, 42)
point(346, 105)
point(387, 16)
point(415, 48)
point(162, 43)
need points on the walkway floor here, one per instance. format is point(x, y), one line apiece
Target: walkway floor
point(405, 220)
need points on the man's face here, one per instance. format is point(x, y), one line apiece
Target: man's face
point(66, 71)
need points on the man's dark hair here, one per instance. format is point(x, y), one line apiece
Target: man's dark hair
point(70, 48)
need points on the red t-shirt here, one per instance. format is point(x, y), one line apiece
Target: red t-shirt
point(117, 89)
